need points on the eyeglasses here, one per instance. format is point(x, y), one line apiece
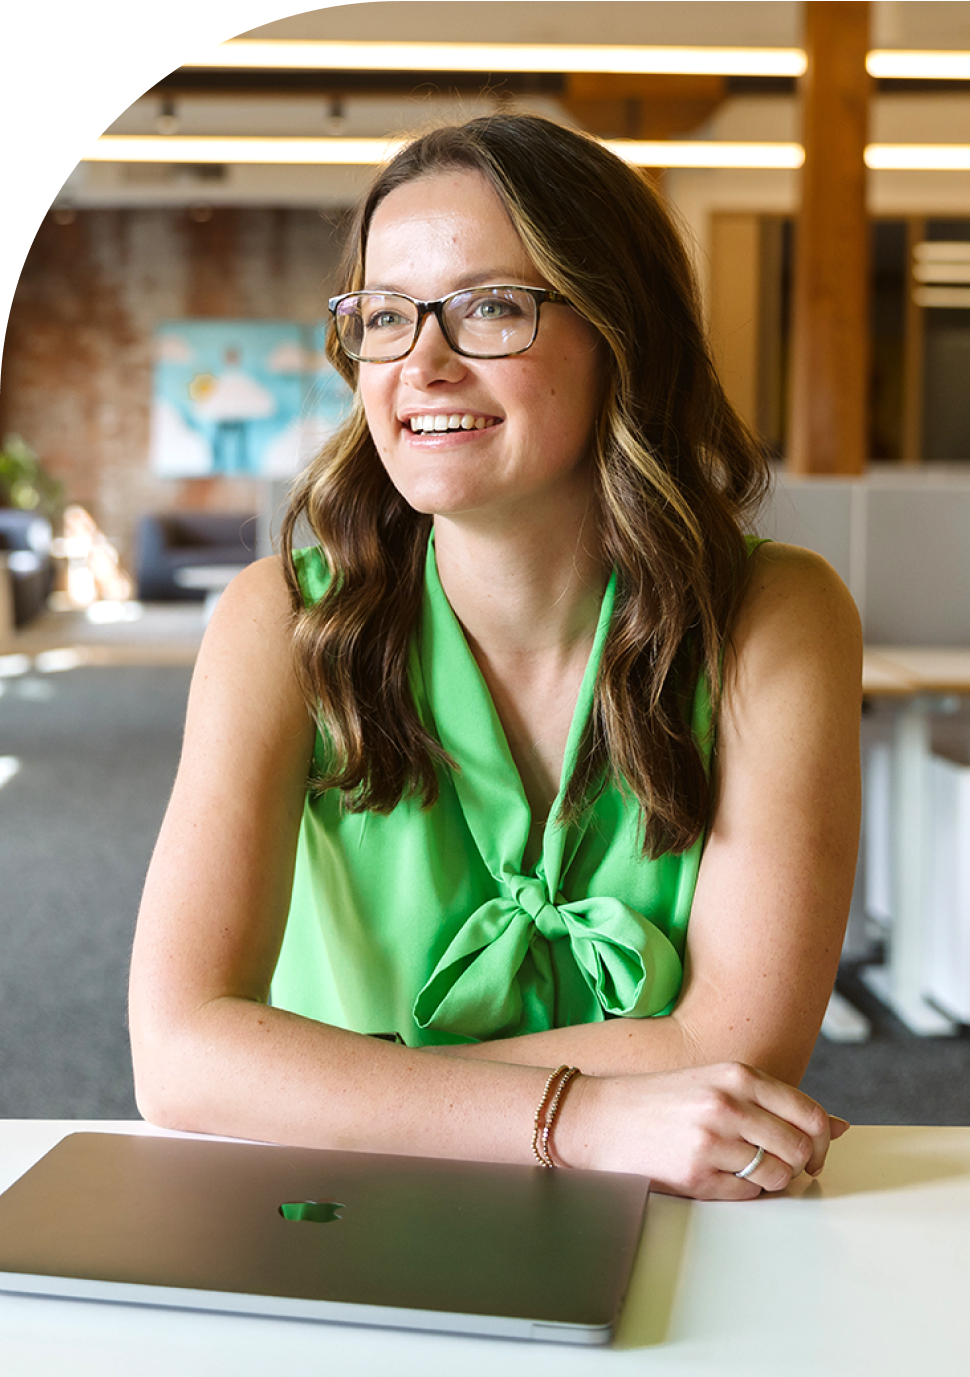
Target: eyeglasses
point(478, 322)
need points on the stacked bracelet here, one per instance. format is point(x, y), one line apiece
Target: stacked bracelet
point(549, 1107)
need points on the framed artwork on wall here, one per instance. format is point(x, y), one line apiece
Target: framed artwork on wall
point(241, 398)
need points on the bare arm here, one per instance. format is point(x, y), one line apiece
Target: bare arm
point(775, 881)
point(210, 1055)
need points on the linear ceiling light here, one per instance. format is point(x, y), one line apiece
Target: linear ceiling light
point(191, 148)
point(886, 63)
point(942, 272)
point(188, 148)
point(501, 57)
point(918, 157)
point(942, 251)
point(699, 153)
point(707, 153)
point(892, 64)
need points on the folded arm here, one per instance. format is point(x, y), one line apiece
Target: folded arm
point(776, 877)
point(210, 1055)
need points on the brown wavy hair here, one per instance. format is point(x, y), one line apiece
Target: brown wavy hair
point(676, 474)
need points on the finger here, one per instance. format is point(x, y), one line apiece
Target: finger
point(796, 1122)
point(766, 1171)
point(837, 1126)
point(720, 1185)
point(798, 1150)
point(748, 1169)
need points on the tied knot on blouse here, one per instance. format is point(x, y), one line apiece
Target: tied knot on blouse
point(589, 959)
point(527, 951)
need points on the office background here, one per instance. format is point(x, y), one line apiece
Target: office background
point(129, 244)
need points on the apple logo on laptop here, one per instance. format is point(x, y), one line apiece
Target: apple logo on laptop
point(312, 1211)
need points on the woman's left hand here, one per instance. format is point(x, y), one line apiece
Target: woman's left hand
point(692, 1131)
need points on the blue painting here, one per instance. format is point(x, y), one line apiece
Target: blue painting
point(241, 398)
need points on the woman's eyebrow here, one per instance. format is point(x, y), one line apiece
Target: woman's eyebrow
point(498, 277)
point(490, 277)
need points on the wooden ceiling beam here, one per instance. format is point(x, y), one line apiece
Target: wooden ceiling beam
point(627, 106)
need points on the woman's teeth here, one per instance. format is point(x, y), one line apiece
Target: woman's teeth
point(459, 421)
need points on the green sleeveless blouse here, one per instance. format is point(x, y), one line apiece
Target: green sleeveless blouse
point(425, 922)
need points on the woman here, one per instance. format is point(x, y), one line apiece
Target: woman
point(529, 608)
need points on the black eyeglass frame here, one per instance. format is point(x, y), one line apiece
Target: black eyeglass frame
point(436, 308)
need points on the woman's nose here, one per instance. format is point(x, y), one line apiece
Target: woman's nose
point(432, 356)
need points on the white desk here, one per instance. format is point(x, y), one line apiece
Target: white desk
point(920, 679)
point(864, 1271)
point(213, 579)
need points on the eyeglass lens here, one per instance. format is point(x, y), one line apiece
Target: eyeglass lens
point(486, 322)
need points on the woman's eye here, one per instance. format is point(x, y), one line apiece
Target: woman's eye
point(493, 308)
point(385, 320)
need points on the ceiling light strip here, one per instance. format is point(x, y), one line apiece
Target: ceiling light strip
point(947, 273)
point(252, 54)
point(918, 157)
point(707, 153)
point(942, 251)
point(351, 152)
point(187, 148)
point(191, 148)
point(897, 64)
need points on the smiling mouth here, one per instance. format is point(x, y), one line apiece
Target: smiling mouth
point(459, 420)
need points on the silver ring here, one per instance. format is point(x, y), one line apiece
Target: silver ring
point(752, 1166)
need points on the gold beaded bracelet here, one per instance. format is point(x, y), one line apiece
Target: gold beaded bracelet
point(549, 1107)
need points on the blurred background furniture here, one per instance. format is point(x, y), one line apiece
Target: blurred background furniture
point(25, 552)
point(168, 544)
point(901, 541)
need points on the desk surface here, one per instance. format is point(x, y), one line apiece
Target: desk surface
point(212, 577)
point(863, 1271)
point(895, 670)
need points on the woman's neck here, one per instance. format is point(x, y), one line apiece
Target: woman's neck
point(529, 602)
point(523, 593)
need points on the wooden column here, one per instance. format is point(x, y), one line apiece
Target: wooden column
point(830, 329)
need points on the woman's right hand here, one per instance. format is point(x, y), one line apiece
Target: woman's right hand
point(692, 1130)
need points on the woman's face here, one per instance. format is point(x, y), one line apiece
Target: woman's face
point(533, 414)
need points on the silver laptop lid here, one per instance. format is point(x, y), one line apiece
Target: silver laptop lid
point(349, 1237)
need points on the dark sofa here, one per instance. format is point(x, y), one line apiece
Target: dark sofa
point(25, 543)
point(168, 542)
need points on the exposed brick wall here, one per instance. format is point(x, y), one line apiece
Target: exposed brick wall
point(76, 371)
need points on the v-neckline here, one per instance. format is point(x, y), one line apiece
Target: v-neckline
point(466, 721)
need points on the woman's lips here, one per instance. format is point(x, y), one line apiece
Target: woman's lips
point(439, 422)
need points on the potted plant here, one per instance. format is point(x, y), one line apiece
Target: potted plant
point(25, 484)
point(30, 502)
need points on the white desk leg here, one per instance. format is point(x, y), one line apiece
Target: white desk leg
point(843, 1022)
point(212, 597)
point(899, 983)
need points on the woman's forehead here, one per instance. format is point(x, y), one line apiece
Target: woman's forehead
point(449, 219)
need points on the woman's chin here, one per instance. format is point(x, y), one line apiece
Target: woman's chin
point(436, 498)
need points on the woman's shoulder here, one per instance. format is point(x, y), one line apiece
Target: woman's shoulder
point(264, 588)
point(796, 608)
point(261, 586)
point(799, 578)
point(253, 620)
point(247, 716)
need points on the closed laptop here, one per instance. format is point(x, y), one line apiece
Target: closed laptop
point(343, 1237)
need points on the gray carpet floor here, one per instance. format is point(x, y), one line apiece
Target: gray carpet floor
point(895, 1077)
point(97, 751)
